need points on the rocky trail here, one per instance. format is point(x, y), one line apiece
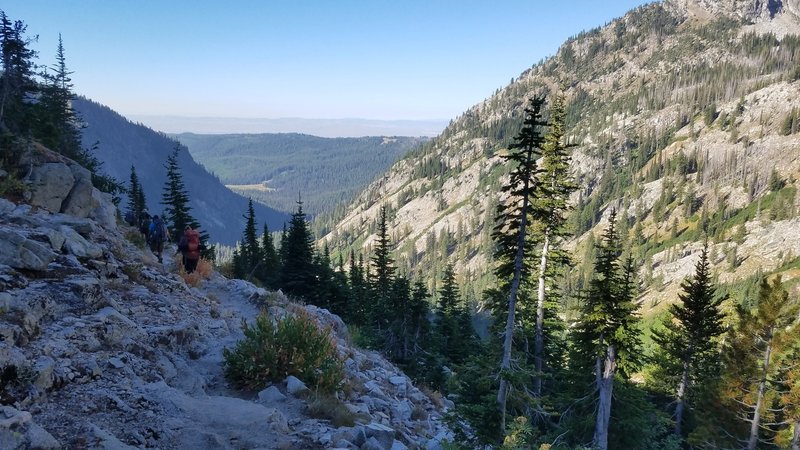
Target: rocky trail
point(102, 347)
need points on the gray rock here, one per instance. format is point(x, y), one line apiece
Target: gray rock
point(402, 410)
point(381, 433)
point(50, 185)
point(40, 439)
point(398, 380)
point(55, 237)
point(79, 202)
point(277, 421)
point(20, 252)
point(397, 445)
point(75, 244)
point(294, 386)
point(271, 395)
point(105, 213)
point(102, 439)
point(373, 444)
point(6, 207)
point(116, 363)
point(44, 367)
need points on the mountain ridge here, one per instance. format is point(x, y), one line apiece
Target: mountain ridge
point(642, 90)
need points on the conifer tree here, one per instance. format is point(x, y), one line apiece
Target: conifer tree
point(251, 253)
point(177, 212)
point(550, 207)
point(136, 200)
point(382, 276)
point(357, 312)
point(447, 312)
point(16, 79)
point(511, 230)
point(298, 275)
point(688, 344)
point(270, 263)
point(606, 338)
point(754, 378)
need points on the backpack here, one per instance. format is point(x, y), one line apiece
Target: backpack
point(130, 218)
point(192, 244)
point(157, 232)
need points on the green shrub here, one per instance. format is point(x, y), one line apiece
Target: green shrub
point(294, 345)
point(328, 407)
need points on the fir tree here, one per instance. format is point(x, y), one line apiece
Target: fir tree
point(136, 200)
point(511, 231)
point(754, 377)
point(606, 336)
point(689, 345)
point(298, 275)
point(16, 79)
point(251, 253)
point(553, 188)
point(382, 276)
point(270, 262)
point(177, 212)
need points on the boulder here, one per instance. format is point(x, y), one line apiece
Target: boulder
point(294, 386)
point(380, 433)
point(20, 252)
point(50, 184)
point(75, 244)
point(271, 395)
point(79, 202)
point(106, 211)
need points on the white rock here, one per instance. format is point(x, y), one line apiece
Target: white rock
point(271, 395)
point(294, 386)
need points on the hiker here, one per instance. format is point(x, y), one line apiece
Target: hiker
point(144, 225)
point(190, 247)
point(157, 234)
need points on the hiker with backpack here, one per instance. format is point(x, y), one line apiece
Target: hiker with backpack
point(190, 247)
point(144, 225)
point(157, 235)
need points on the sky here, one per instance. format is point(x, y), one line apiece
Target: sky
point(332, 59)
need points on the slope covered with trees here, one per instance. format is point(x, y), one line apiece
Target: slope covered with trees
point(274, 168)
point(123, 144)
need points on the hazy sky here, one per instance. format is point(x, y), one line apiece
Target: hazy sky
point(374, 59)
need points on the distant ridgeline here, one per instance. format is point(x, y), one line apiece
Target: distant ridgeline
point(123, 144)
point(275, 168)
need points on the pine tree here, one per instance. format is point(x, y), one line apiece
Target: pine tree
point(689, 345)
point(357, 312)
point(135, 196)
point(382, 276)
point(251, 253)
point(16, 79)
point(511, 231)
point(177, 212)
point(270, 262)
point(606, 338)
point(298, 275)
point(553, 188)
point(754, 377)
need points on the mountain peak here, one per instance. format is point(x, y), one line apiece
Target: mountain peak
point(754, 11)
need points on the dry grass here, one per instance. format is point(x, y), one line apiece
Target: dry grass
point(328, 407)
point(203, 272)
point(435, 396)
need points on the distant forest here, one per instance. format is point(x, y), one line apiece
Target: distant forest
point(277, 168)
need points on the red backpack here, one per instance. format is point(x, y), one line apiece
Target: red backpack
point(192, 244)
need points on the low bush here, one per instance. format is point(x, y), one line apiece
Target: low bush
point(294, 345)
point(327, 406)
point(202, 272)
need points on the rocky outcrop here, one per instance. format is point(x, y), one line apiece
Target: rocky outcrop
point(101, 347)
point(58, 184)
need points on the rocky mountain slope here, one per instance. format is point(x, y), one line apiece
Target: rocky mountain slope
point(682, 112)
point(102, 347)
point(123, 144)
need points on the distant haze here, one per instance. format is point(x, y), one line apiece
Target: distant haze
point(315, 127)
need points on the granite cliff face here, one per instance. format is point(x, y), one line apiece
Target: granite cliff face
point(102, 347)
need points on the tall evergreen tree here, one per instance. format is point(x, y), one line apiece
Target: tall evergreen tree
point(177, 212)
point(382, 276)
point(270, 262)
point(606, 337)
point(689, 345)
point(754, 378)
point(16, 79)
point(250, 249)
point(298, 276)
point(550, 207)
point(511, 230)
point(136, 199)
